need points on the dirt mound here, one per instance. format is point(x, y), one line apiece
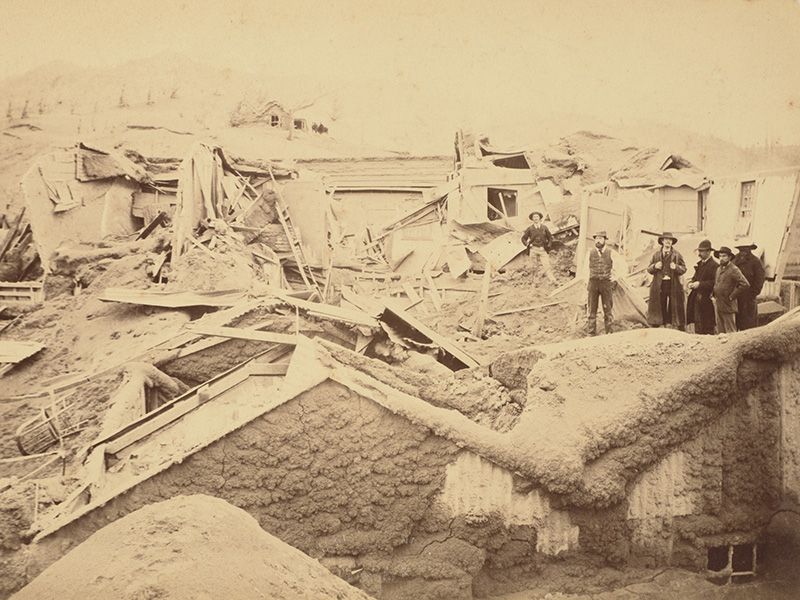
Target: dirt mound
point(189, 547)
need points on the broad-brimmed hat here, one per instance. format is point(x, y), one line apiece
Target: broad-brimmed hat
point(601, 234)
point(705, 245)
point(723, 250)
point(746, 244)
point(536, 212)
point(667, 236)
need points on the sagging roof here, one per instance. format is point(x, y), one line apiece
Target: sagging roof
point(379, 173)
point(653, 168)
point(579, 464)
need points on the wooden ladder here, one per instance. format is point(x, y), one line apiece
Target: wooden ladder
point(294, 241)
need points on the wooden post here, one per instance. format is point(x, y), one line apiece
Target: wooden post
point(477, 329)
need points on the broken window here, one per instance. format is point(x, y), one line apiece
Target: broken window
point(275, 120)
point(735, 564)
point(747, 202)
point(300, 124)
point(502, 203)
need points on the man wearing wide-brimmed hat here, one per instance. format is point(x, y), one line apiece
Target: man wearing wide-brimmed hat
point(666, 305)
point(700, 306)
point(538, 239)
point(729, 284)
point(752, 269)
point(600, 265)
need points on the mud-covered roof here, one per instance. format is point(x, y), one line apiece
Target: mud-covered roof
point(598, 412)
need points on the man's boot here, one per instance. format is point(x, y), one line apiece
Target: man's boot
point(591, 327)
point(607, 323)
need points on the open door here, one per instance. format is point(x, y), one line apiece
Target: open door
point(599, 212)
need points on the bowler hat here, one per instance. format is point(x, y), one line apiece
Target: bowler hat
point(536, 212)
point(746, 244)
point(667, 236)
point(601, 234)
point(723, 250)
point(705, 245)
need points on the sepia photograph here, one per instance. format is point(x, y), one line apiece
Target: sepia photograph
point(369, 299)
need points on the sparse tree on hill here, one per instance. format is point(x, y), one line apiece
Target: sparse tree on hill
point(24, 113)
point(8, 112)
point(149, 98)
point(123, 103)
point(41, 107)
point(174, 93)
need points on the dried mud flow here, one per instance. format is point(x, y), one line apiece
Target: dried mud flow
point(190, 547)
point(561, 466)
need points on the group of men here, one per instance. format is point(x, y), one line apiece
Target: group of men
point(722, 294)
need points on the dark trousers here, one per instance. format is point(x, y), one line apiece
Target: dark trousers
point(704, 321)
point(747, 317)
point(600, 288)
point(666, 301)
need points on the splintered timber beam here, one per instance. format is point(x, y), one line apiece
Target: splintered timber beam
point(452, 356)
point(524, 308)
point(245, 334)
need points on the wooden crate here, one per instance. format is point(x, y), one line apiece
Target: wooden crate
point(21, 292)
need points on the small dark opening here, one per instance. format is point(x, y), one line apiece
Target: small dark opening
point(743, 558)
point(717, 558)
point(501, 202)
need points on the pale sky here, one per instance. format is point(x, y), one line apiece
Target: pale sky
point(726, 67)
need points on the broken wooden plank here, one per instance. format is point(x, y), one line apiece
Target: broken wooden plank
point(500, 251)
point(14, 352)
point(457, 260)
point(194, 242)
point(477, 328)
point(369, 306)
point(245, 334)
point(525, 308)
point(159, 218)
point(454, 357)
point(258, 368)
point(393, 265)
point(173, 299)
point(336, 313)
point(362, 342)
point(435, 298)
point(411, 292)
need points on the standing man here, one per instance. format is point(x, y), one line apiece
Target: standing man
point(538, 239)
point(700, 306)
point(753, 271)
point(600, 263)
point(666, 305)
point(729, 283)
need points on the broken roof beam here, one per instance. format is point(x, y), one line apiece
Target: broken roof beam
point(452, 356)
point(245, 334)
point(12, 353)
point(336, 313)
point(173, 299)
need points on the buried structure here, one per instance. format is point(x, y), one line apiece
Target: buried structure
point(645, 449)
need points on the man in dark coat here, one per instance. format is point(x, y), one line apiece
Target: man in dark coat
point(753, 271)
point(729, 284)
point(666, 305)
point(538, 239)
point(699, 306)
